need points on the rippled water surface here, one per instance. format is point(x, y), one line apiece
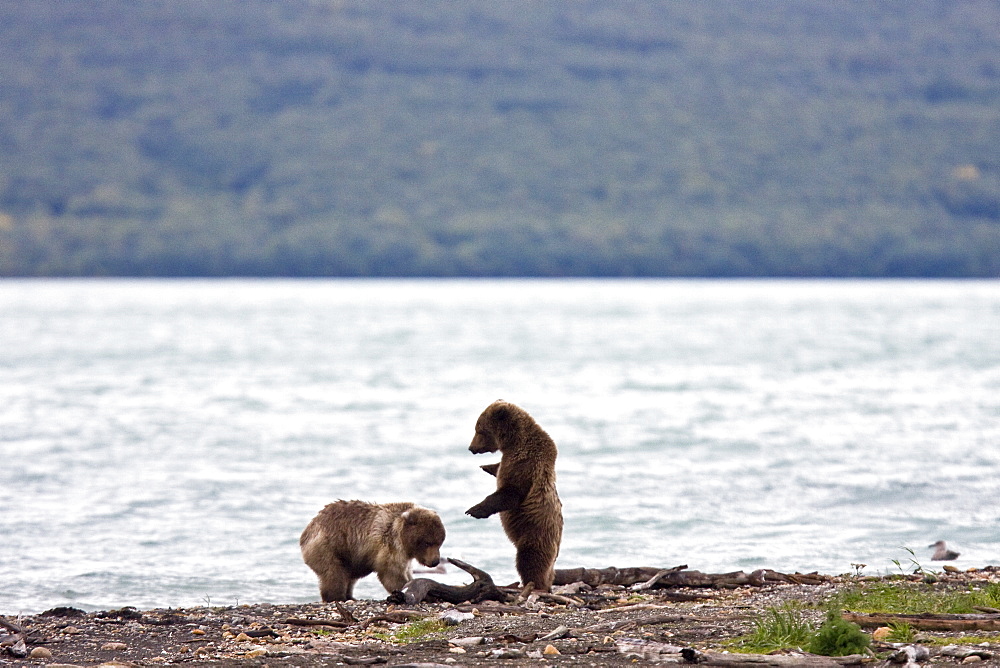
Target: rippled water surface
point(163, 443)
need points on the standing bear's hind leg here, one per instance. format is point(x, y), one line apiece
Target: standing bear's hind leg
point(535, 562)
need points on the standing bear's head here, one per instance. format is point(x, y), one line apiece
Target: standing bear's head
point(505, 427)
point(497, 427)
point(421, 532)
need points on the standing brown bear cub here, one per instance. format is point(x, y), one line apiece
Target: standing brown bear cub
point(526, 498)
point(347, 540)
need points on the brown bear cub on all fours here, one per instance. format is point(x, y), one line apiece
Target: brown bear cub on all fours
point(348, 540)
point(526, 498)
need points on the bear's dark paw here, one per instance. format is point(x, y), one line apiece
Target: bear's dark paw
point(478, 511)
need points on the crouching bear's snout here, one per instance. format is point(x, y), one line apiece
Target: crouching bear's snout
point(431, 558)
point(423, 533)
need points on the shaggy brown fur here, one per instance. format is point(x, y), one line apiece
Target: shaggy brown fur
point(347, 540)
point(526, 498)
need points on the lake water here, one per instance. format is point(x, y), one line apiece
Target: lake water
point(163, 443)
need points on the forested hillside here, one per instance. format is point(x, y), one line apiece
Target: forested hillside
point(522, 137)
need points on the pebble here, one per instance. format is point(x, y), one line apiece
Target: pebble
point(457, 650)
point(113, 646)
point(41, 653)
point(71, 630)
point(507, 654)
point(551, 650)
point(254, 653)
point(197, 632)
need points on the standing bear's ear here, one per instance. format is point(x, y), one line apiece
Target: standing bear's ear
point(501, 414)
point(503, 422)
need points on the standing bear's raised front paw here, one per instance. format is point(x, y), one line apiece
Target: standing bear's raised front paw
point(478, 511)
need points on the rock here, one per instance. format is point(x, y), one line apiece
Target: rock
point(570, 589)
point(556, 634)
point(648, 650)
point(113, 646)
point(455, 617)
point(18, 650)
point(963, 652)
point(471, 641)
point(911, 655)
point(456, 650)
point(254, 653)
point(507, 654)
point(972, 658)
point(41, 653)
point(881, 633)
point(550, 650)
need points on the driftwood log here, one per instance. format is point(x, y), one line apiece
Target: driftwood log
point(927, 621)
point(691, 655)
point(16, 647)
point(480, 589)
point(652, 651)
point(331, 623)
point(679, 576)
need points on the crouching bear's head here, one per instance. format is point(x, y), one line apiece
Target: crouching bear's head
point(422, 535)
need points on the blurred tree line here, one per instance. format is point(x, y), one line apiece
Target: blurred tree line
point(523, 137)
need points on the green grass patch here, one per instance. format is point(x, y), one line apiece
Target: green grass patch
point(413, 632)
point(901, 632)
point(960, 640)
point(322, 632)
point(777, 628)
point(838, 637)
point(786, 628)
point(914, 598)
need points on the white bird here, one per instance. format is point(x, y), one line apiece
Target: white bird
point(942, 553)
